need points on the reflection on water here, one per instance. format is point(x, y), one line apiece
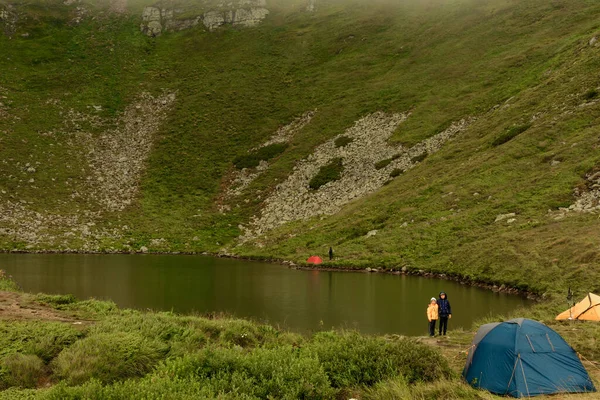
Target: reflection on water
point(298, 300)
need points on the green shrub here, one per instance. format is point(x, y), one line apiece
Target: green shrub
point(92, 306)
point(351, 359)
point(383, 163)
point(328, 173)
point(419, 158)
point(254, 158)
point(283, 373)
point(396, 172)
point(510, 133)
point(55, 300)
point(7, 283)
point(590, 94)
point(14, 393)
point(146, 388)
point(174, 331)
point(43, 339)
point(109, 357)
point(21, 370)
point(343, 141)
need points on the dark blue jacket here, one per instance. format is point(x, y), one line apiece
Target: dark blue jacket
point(444, 308)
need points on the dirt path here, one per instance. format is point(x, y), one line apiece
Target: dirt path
point(22, 307)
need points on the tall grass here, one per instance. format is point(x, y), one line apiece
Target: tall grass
point(108, 357)
point(6, 283)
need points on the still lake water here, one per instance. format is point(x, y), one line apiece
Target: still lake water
point(302, 301)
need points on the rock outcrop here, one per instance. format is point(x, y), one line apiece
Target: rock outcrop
point(243, 13)
point(363, 172)
point(311, 6)
point(8, 20)
point(587, 196)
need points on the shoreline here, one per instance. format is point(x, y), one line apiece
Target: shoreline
point(493, 286)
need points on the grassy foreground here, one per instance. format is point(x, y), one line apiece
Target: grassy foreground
point(94, 350)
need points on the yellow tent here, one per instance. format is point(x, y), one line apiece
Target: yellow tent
point(587, 309)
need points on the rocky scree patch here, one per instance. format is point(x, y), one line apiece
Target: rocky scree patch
point(294, 200)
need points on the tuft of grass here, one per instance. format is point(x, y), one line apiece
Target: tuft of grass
point(21, 370)
point(328, 173)
point(41, 338)
point(343, 141)
point(254, 158)
point(109, 358)
point(444, 389)
point(55, 300)
point(509, 134)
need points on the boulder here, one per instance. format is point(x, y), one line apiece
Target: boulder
point(502, 217)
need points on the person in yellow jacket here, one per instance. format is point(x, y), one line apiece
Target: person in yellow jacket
point(432, 315)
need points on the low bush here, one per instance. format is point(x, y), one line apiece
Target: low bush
point(55, 300)
point(7, 283)
point(177, 333)
point(43, 339)
point(146, 388)
point(383, 163)
point(419, 158)
point(91, 307)
point(351, 359)
point(283, 373)
point(328, 173)
point(252, 159)
point(343, 141)
point(21, 370)
point(396, 172)
point(109, 357)
point(509, 134)
point(590, 94)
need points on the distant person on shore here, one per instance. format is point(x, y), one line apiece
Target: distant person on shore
point(330, 253)
point(432, 315)
point(445, 312)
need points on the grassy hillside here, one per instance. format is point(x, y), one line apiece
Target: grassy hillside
point(519, 68)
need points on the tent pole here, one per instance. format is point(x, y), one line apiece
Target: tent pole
point(512, 376)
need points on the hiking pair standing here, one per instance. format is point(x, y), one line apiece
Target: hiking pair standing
point(439, 309)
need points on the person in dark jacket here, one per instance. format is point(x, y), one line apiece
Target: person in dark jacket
point(445, 312)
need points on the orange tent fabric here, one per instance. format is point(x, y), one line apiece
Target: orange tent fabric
point(587, 309)
point(315, 260)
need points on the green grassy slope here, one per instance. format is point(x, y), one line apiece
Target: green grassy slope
point(444, 60)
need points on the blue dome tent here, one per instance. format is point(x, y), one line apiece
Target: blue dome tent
point(523, 358)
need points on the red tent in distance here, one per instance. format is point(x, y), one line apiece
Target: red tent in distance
point(315, 260)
